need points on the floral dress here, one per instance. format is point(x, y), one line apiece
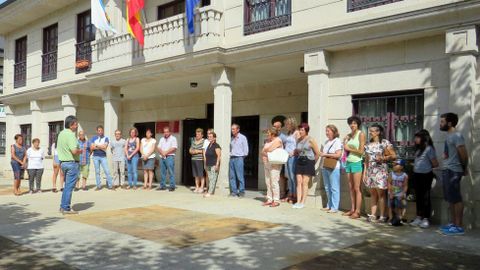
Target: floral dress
point(377, 172)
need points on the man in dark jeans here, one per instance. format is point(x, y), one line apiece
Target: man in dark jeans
point(69, 156)
point(238, 152)
point(454, 168)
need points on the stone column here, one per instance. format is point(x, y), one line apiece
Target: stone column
point(222, 81)
point(12, 128)
point(69, 103)
point(36, 118)
point(316, 66)
point(111, 102)
point(462, 47)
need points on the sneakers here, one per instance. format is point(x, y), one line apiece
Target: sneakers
point(298, 206)
point(416, 222)
point(68, 212)
point(454, 231)
point(371, 218)
point(424, 224)
point(382, 220)
point(446, 227)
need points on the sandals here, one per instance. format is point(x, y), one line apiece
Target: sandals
point(54, 190)
point(346, 214)
point(274, 204)
point(267, 203)
point(326, 209)
point(355, 215)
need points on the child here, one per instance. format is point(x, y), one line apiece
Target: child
point(397, 190)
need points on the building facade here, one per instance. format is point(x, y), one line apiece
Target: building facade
point(400, 63)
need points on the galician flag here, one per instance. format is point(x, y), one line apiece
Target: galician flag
point(189, 9)
point(134, 25)
point(99, 16)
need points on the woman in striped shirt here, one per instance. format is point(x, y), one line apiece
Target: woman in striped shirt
point(196, 150)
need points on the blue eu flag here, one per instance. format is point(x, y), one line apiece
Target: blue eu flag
point(189, 9)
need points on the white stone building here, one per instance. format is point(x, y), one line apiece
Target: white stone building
point(398, 62)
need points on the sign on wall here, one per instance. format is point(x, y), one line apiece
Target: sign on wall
point(173, 125)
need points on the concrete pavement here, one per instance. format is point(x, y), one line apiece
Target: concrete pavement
point(297, 238)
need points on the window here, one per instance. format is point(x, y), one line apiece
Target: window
point(174, 8)
point(26, 131)
point(20, 65)
point(265, 15)
point(54, 129)
point(354, 5)
point(83, 48)
point(49, 56)
point(401, 114)
point(3, 140)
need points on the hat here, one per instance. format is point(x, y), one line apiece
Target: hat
point(400, 162)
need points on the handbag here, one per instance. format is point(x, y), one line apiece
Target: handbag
point(278, 156)
point(302, 160)
point(328, 162)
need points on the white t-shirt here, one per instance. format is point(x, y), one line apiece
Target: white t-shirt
point(331, 147)
point(165, 144)
point(147, 146)
point(206, 143)
point(35, 158)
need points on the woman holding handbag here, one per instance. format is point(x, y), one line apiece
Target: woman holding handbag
point(307, 153)
point(378, 152)
point(272, 171)
point(331, 153)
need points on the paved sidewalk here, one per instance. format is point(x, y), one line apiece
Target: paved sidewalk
point(182, 230)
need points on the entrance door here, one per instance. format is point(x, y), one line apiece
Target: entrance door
point(189, 127)
point(249, 126)
point(142, 128)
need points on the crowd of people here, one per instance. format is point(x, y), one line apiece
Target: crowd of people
point(373, 163)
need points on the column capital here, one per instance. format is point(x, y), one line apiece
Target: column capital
point(111, 93)
point(461, 40)
point(8, 109)
point(69, 100)
point(34, 105)
point(223, 76)
point(316, 62)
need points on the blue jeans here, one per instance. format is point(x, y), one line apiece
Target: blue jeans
point(292, 180)
point(132, 166)
point(167, 163)
point(331, 179)
point(70, 170)
point(102, 161)
point(236, 173)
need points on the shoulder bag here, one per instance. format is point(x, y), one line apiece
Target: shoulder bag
point(328, 162)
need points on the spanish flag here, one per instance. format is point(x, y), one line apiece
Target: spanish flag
point(134, 7)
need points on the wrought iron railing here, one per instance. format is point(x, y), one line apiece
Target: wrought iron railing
point(20, 74)
point(265, 15)
point(354, 5)
point(49, 66)
point(83, 59)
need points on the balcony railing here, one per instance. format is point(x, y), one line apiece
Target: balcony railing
point(20, 74)
point(49, 66)
point(83, 59)
point(354, 5)
point(265, 15)
point(163, 39)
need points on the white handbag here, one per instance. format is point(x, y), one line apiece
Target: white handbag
point(278, 156)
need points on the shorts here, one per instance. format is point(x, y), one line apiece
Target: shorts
point(451, 186)
point(354, 167)
point(307, 169)
point(197, 168)
point(56, 160)
point(84, 170)
point(149, 164)
point(397, 202)
point(18, 171)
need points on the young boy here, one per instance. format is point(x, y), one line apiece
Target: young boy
point(397, 190)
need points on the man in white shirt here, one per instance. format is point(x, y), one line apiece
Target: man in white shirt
point(167, 146)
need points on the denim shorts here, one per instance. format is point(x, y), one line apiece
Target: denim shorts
point(397, 202)
point(451, 186)
point(354, 167)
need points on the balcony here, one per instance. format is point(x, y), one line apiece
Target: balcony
point(354, 5)
point(265, 15)
point(20, 74)
point(49, 66)
point(83, 59)
point(163, 39)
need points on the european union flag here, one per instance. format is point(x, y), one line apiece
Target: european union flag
point(189, 9)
